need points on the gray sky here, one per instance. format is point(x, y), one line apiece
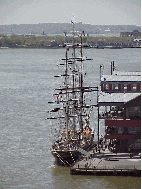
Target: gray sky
point(96, 12)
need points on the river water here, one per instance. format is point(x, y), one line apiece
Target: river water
point(26, 86)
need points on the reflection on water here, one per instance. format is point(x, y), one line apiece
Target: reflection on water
point(63, 179)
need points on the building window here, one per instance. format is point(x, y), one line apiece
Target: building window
point(125, 86)
point(115, 86)
point(133, 130)
point(107, 86)
point(120, 130)
point(134, 87)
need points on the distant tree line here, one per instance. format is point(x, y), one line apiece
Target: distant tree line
point(58, 41)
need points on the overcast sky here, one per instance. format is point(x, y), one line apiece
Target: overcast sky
point(96, 12)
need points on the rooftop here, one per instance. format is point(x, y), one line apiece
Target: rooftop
point(126, 73)
point(121, 77)
point(117, 97)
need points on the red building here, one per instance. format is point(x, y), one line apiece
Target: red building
point(120, 105)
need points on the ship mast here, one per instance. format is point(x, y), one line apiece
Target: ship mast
point(80, 83)
point(66, 108)
point(81, 91)
point(74, 85)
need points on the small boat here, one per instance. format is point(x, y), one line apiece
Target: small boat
point(73, 135)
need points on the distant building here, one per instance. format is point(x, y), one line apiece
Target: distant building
point(137, 42)
point(29, 35)
point(134, 33)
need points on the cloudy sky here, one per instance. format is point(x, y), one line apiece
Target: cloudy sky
point(96, 12)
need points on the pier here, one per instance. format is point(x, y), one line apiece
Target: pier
point(123, 164)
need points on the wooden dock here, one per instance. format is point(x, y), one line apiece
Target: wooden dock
point(108, 165)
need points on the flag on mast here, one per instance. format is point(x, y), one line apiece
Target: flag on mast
point(58, 102)
point(102, 66)
point(58, 96)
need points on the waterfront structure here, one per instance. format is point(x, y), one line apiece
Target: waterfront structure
point(108, 164)
point(121, 96)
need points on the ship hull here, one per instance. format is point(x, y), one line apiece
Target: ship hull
point(65, 157)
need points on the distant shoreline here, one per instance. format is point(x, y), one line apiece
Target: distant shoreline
point(64, 48)
point(56, 42)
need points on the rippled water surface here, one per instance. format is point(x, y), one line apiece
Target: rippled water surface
point(26, 86)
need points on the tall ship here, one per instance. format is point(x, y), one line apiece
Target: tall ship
point(72, 108)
